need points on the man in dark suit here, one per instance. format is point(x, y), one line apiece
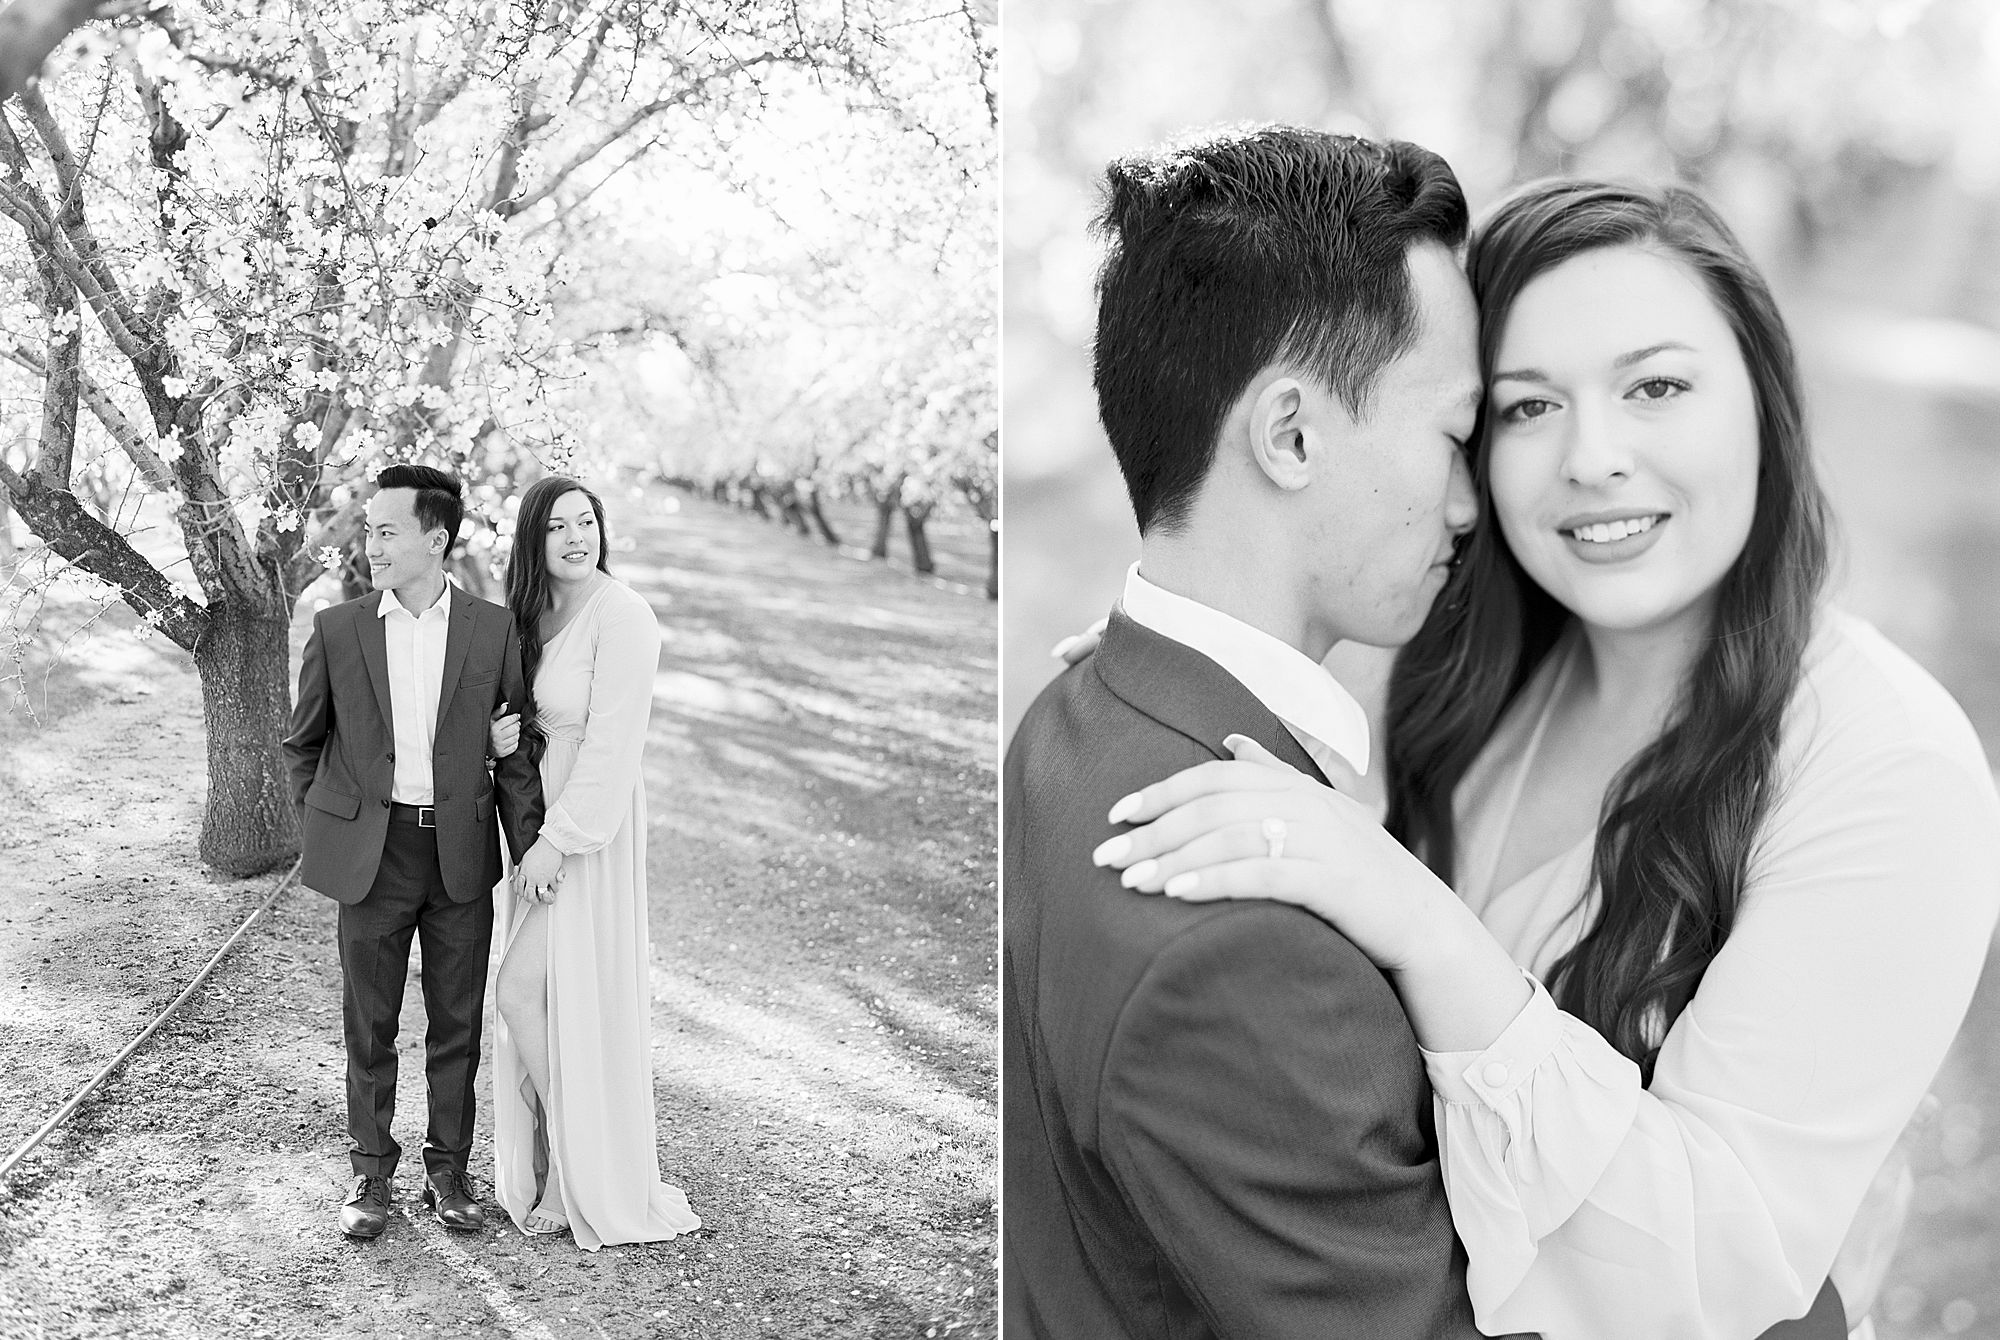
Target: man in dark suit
point(1217, 1121)
point(401, 822)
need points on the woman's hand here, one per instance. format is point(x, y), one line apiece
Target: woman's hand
point(539, 873)
point(1256, 828)
point(503, 733)
point(1073, 649)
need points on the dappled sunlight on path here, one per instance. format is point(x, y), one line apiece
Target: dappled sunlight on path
point(820, 776)
point(821, 782)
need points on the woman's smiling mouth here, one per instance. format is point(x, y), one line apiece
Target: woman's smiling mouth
point(1612, 538)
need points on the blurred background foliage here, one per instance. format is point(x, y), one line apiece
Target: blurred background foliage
point(1853, 146)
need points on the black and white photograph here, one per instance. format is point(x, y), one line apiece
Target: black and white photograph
point(1063, 671)
point(498, 700)
point(1501, 670)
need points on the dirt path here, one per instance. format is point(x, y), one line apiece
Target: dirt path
point(821, 788)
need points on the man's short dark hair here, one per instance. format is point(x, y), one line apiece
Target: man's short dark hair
point(1241, 249)
point(440, 501)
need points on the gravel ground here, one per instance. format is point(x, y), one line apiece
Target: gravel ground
point(821, 774)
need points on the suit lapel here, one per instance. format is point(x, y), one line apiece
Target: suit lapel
point(1184, 690)
point(375, 653)
point(457, 642)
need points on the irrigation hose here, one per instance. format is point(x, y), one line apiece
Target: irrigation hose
point(76, 1099)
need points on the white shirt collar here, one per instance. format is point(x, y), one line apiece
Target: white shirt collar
point(390, 602)
point(1297, 689)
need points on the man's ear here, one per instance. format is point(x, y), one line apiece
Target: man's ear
point(1280, 428)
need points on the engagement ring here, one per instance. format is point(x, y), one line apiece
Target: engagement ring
point(1274, 837)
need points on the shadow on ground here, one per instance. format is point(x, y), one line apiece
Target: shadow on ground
point(820, 776)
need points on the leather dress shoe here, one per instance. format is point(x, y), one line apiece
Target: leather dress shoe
point(448, 1195)
point(366, 1212)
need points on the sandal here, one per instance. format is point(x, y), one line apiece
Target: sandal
point(541, 1222)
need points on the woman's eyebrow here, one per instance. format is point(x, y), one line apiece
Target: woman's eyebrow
point(1641, 355)
point(1624, 360)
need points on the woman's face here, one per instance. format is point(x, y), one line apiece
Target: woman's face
point(572, 540)
point(1624, 450)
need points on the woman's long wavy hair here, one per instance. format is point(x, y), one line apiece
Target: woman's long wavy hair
point(528, 582)
point(1675, 835)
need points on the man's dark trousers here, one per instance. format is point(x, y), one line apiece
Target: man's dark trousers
point(407, 900)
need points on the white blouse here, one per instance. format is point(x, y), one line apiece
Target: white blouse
point(1711, 1205)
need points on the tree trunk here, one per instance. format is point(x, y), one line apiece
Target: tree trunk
point(993, 560)
point(246, 692)
point(920, 545)
point(819, 520)
point(885, 515)
point(473, 576)
point(354, 579)
point(792, 514)
point(757, 502)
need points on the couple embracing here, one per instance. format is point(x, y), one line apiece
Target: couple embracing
point(1611, 1027)
point(408, 768)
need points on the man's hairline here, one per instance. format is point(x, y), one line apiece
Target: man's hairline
point(1363, 410)
point(414, 490)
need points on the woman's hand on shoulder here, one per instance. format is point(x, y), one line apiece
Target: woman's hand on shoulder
point(1253, 827)
point(1073, 649)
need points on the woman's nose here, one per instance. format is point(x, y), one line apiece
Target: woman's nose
point(1596, 450)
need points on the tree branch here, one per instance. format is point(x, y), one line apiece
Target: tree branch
point(66, 241)
point(66, 527)
point(64, 368)
point(507, 208)
point(591, 52)
point(980, 15)
point(105, 410)
point(68, 176)
point(338, 530)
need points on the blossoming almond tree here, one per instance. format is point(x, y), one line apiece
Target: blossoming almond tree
point(257, 251)
point(839, 334)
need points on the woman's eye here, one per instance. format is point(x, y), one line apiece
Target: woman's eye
point(1521, 411)
point(1658, 388)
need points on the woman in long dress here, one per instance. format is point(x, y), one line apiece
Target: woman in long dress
point(574, 1124)
point(1752, 850)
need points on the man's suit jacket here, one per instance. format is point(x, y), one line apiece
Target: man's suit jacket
point(341, 757)
point(1217, 1121)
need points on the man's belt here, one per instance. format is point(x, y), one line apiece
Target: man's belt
point(423, 816)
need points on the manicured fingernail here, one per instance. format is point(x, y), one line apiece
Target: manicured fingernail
point(1183, 884)
point(1112, 852)
point(1124, 809)
point(1139, 874)
point(1234, 743)
point(1055, 652)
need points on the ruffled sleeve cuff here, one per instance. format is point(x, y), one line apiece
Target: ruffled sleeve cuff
point(566, 836)
point(1525, 1130)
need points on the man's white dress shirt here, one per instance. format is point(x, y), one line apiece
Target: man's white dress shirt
point(416, 679)
point(1321, 715)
